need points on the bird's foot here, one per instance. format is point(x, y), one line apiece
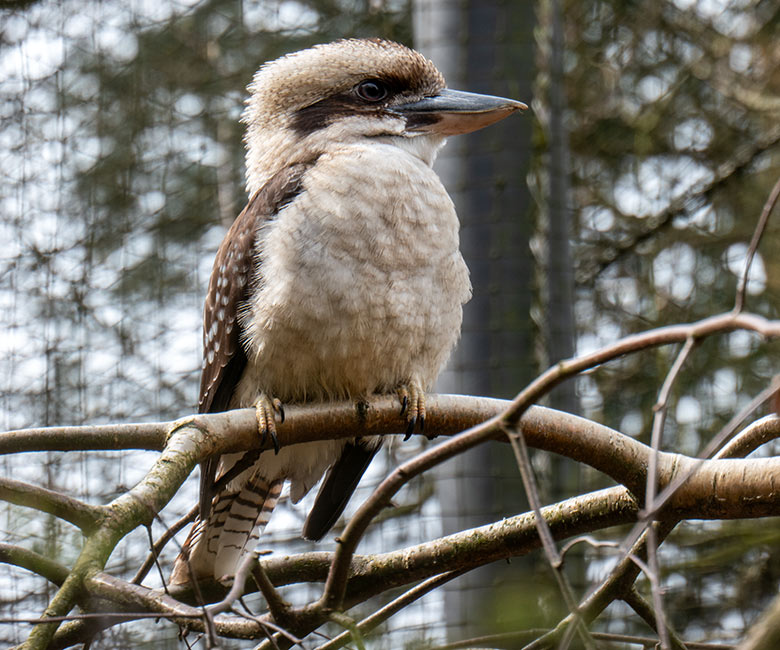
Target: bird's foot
point(266, 410)
point(412, 399)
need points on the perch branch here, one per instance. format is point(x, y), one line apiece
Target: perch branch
point(72, 510)
point(53, 571)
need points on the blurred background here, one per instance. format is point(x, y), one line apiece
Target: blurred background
point(623, 200)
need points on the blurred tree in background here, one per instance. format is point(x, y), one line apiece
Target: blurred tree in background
point(655, 134)
point(674, 122)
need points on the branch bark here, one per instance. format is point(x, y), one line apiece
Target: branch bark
point(716, 489)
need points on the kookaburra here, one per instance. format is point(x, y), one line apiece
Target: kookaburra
point(341, 278)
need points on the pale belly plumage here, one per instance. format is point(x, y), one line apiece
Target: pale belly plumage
point(360, 288)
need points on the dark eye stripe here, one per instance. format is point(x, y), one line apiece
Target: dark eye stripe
point(319, 115)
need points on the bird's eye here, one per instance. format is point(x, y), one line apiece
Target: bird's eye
point(371, 90)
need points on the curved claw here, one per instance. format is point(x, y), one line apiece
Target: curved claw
point(412, 406)
point(266, 409)
point(404, 403)
point(410, 428)
point(274, 441)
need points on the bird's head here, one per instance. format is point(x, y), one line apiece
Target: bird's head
point(350, 91)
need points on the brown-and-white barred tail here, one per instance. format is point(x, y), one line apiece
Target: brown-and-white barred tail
point(231, 531)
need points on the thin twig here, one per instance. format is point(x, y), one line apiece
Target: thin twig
point(548, 543)
point(347, 622)
point(156, 561)
point(162, 542)
point(590, 541)
point(396, 605)
point(513, 639)
point(636, 601)
point(659, 418)
point(653, 574)
point(739, 302)
point(267, 629)
point(278, 606)
point(269, 626)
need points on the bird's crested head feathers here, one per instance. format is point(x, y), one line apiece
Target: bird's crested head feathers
point(304, 101)
point(355, 91)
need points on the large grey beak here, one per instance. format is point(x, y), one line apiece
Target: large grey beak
point(452, 112)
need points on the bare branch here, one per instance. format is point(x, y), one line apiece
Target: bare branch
point(237, 588)
point(519, 639)
point(659, 418)
point(718, 440)
point(739, 302)
point(710, 492)
point(150, 436)
point(72, 510)
point(636, 601)
point(654, 225)
point(719, 324)
point(621, 579)
point(548, 543)
point(53, 571)
point(393, 607)
point(752, 437)
point(136, 507)
point(237, 430)
point(160, 544)
point(373, 575)
point(278, 607)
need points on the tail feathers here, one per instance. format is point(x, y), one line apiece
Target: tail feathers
point(247, 515)
point(192, 562)
point(339, 484)
point(215, 546)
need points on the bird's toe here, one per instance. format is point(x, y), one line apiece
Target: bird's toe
point(412, 398)
point(266, 410)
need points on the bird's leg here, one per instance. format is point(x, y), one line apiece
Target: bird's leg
point(266, 410)
point(412, 399)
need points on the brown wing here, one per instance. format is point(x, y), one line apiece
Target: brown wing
point(337, 488)
point(230, 286)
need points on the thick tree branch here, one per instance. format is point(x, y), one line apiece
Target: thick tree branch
point(373, 575)
point(237, 430)
point(150, 436)
point(621, 579)
point(494, 542)
point(72, 510)
point(711, 491)
point(134, 508)
point(53, 571)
